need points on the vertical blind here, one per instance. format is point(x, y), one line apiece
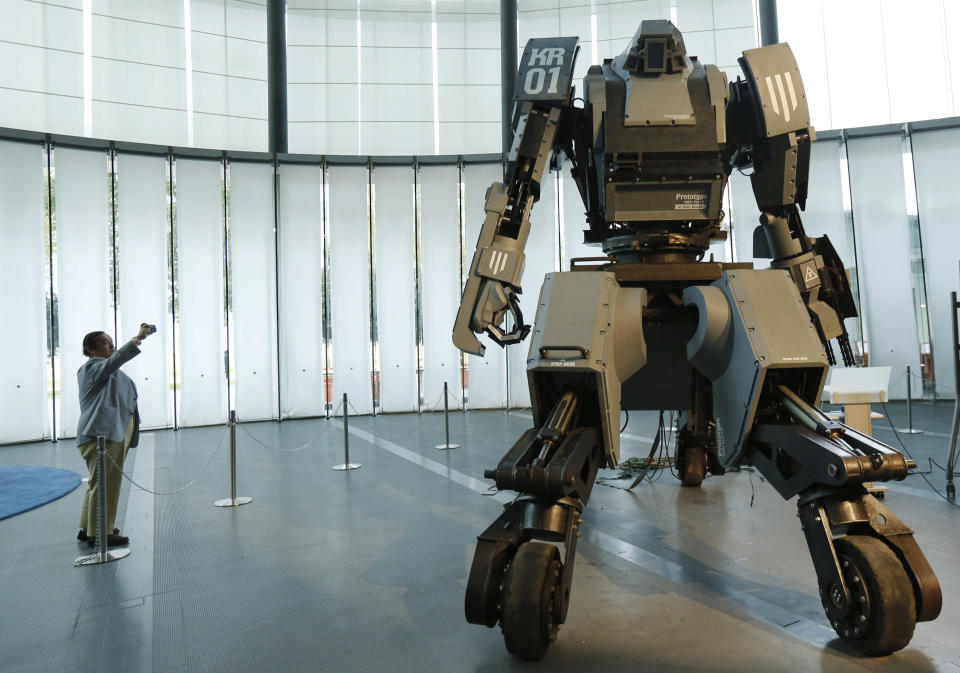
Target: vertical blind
point(301, 291)
point(487, 385)
point(85, 265)
point(345, 251)
point(937, 175)
point(348, 209)
point(394, 211)
point(883, 251)
point(440, 279)
point(24, 339)
point(201, 323)
point(253, 289)
point(143, 285)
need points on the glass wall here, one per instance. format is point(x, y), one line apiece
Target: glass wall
point(376, 77)
point(853, 58)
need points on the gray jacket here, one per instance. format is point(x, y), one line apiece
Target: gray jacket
point(108, 397)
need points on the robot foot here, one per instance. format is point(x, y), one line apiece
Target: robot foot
point(691, 465)
point(521, 583)
point(875, 583)
point(696, 455)
point(695, 462)
point(531, 607)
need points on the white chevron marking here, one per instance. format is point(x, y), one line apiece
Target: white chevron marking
point(783, 97)
point(793, 94)
point(773, 96)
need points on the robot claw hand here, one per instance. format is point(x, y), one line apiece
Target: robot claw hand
point(494, 302)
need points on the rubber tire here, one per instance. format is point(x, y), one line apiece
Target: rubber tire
point(528, 619)
point(692, 465)
point(893, 612)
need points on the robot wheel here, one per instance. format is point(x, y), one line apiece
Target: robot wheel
point(530, 606)
point(883, 610)
point(691, 465)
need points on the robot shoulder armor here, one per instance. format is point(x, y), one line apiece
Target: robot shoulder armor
point(776, 89)
point(545, 73)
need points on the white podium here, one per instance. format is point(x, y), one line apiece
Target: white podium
point(855, 388)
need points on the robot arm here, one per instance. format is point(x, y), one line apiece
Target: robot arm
point(769, 123)
point(544, 93)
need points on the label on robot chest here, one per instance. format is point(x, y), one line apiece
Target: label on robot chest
point(690, 201)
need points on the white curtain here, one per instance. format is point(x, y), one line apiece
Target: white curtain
point(201, 334)
point(542, 249)
point(883, 255)
point(396, 287)
point(301, 291)
point(440, 279)
point(23, 378)
point(825, 212)
point(937, 173)
point(84, 266)
point(487, 383)
point(143, 279)
point(253, 282)
point(348, 224)
point(744, 215)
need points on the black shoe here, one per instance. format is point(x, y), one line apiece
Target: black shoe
point(82, 535)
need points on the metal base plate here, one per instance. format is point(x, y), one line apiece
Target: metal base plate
point(95, 559)
point(230, 502)
point(447, 446)
point(347, 466)
point(909, 431)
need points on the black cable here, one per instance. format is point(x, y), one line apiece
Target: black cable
point(626, 420)
point(922, 474)
point(653, 451)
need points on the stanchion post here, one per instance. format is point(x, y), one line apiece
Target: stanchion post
point(347, 465)
point(446, 423)
point(233, 500)
point(909, 430)
point(103, 554)
point(951, 490)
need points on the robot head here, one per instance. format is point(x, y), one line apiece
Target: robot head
point(657, 47)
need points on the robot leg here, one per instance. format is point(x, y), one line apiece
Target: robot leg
point(696, 437)
point(874, 581)
point(588, 340)
point(756, 343)
point(518, 577)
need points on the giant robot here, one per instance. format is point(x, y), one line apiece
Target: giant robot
point(742, 353)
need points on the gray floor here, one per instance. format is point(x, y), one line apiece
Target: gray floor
point(365, 570)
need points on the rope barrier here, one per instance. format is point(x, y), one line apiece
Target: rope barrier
point(906, 451)
point(437, 406)
point(299, 448)
point(181, 488)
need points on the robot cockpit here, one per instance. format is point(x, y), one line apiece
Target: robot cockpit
point(657, 47)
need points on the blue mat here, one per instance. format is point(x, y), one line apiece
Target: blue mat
point(25, 487)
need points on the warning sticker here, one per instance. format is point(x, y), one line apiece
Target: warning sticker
point(690, 201)
point(810, 277)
